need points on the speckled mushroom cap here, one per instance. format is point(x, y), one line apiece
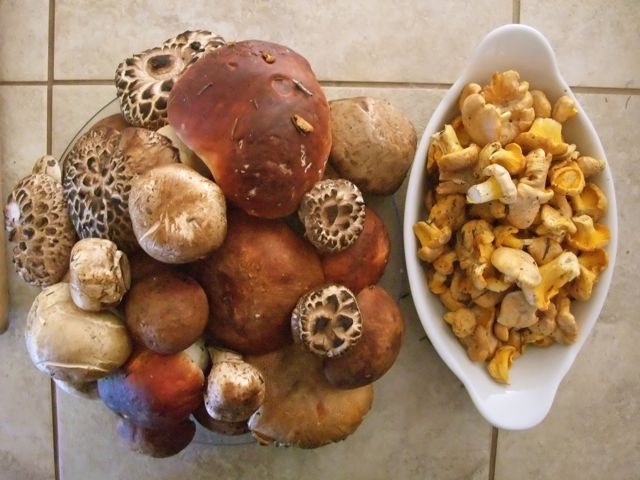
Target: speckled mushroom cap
point(97, 175)
point(49, 166)
point(143, 81)
point(37, 223)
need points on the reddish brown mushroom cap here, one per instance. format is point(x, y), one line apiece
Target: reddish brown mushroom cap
point(255, 113)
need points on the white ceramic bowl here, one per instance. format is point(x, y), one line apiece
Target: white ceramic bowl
point(536, 375)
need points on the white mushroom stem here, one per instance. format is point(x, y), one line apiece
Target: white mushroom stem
point(498, 186)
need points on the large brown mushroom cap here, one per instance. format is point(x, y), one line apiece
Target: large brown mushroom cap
point(157, 443)
point(301, 408)
point(253, 282)
point(255, 113)
point(38, 225)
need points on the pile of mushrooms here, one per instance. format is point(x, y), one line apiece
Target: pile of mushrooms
point(196, 261)
point(511, 235)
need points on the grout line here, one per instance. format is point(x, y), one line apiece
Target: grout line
point(22, 83)
point(515, 18)
point(84, 82)
point(374, 84)
point(50, 75)
point(605, 90)
point(494, 451)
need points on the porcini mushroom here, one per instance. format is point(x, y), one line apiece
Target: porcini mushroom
point(333, 214)
point(235, 389)
point(99, 274)
point(266, 143)
point(39, 228)
point(71, 344)
point(156, 442)
point(327, 320)
point(144, 81)
point(178, 216)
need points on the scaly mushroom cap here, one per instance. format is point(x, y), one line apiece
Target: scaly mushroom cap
point(99, 274)
point(301, 407)
point(97, 175)
point(327, 320)
point(333, 214)
point(37, 222)
point(266, 143)
point(144, 81)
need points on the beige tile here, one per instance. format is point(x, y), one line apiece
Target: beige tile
point(24, 30)
point(73, 106)
point(26, 441)
point(592, 427)
point(359, 40)
point(596, 42)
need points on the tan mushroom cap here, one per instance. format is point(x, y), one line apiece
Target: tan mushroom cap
point(516, 311)
point(517, 266)
point(327, 320)
point(301, 408)
point(38, 226)
point(178, 216)
point(48, 165)
point(333, 214)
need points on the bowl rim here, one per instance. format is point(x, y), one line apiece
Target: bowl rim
point(414, 208)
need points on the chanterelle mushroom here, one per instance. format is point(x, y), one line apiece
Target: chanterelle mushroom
point(99, 274)
point(499, 186)
point(38, 225)
point(333, 214)
point(554, 275)
point(143, 81)
point(235, 389)
point(517, 266)
point(327, 320)
point(516, 312)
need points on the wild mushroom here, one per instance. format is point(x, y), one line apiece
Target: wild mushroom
point(463, 322)
point(567, 331)
point(333, 214)
point(545, 133)
point(178, 216)
point(588, 236)
point(554, 224)
point(433, 240)
point(71, 344)
point(449, 211)
point(544, 249)
point(266, 143)
point(524, 210)
point(38, 226)
point(564, 109)
point(554, 275)
point(327, 321)
point(301, 408)
point(99, 274)
point(591, 201)
point(186, 155)
point(166, 312)
point(156, 442)
point(516, 312)
point(498, 367)
point(510, 157)
point(442, 143)
point(499, 186)
point(566, 178)
point(541, 104)
point(48, 165)
point(235, 389)
point(517, 266)
point(218, 426)
point(373, 143)
point(364, 262)
point(590, 166)
point(253, 283)
point(153, 390)
point(144, 81)
point(97, 175)
point(482, 120)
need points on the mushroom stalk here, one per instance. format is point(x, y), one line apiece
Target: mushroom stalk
point(498, 186)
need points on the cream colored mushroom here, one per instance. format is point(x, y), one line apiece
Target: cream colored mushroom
point(554, 275)
point(499, 186)
point(186, 155)
point(481, 120)
point(516, 312)
point(524, 210)
point(178, 216)
point(564, 109)
point(541, 104)
point(235, 389)
point(590, 166)
point(517, 266)
point(99, 274)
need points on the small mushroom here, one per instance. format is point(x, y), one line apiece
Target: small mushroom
point(591, 201)
point(39, 228)
point(178, 216)
point(187, 156)
point(327, 320)
point(333, 214)
point(544, 249)
point(144, 81)
point(48, 165)
point(554, 224)
point(545, 133)
point(588, 236)
point(566, 178)
point(564, 109)
point(156, 442)
point(516, 312)
point(99, 274)
point(590, 166)
point(501, 362)
point(433, 240)
point(218, 426)
point(517, 266)
point(499, 186)
point(523, 212)
point(71, 344)
point(554, 275)
point(235, 388)
point(541, 104)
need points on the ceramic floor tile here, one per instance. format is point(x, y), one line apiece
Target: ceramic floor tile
point(343, 40)
point(596, 42)
point(26, 443)
point(592, 427)
point(24, 30)
point(73, 106)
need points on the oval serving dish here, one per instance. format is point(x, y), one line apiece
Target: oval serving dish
point(536, 376)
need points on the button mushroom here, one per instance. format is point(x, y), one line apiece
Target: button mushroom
point(178, 216)
point(499, 186)
point(327, 320)
point(144, 81)
point(373, 143)
point(333, 214)
point(99, 274)
point(235, 389)
point(517, 266)
point(554, 275)
point(71, 344)
point(39, 228)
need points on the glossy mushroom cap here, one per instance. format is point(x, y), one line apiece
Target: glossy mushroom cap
point(255, 114)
